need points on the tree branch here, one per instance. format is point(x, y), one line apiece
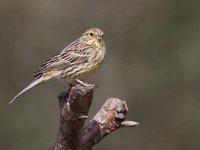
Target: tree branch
point(109, 118)
point(74, 108)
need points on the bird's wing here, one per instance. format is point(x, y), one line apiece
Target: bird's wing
point(72, 55)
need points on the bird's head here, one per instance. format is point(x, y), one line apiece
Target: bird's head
point(93, 37)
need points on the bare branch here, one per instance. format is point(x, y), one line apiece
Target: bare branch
point(110, 117)
point(74, 108)
point(129, 124)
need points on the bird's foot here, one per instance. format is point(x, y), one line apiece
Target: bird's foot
point(85, 84)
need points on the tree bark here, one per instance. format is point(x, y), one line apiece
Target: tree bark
point(74, 108)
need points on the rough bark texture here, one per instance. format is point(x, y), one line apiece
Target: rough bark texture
point(109, 118)
point(74, 108)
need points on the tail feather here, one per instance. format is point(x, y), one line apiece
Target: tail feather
point(31, 85)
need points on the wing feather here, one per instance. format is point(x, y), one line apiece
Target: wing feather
point(73, 54)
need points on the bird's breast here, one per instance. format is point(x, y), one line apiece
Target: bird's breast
point(82, 71)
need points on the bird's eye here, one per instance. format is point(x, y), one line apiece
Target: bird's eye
point(91, 34)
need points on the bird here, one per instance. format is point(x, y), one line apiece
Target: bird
point(74, 63)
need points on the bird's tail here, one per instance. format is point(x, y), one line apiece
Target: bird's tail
point(31, 85)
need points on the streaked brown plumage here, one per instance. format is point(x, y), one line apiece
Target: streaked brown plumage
point(74, 63)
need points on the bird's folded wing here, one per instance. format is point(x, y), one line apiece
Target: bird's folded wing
point(64, 60)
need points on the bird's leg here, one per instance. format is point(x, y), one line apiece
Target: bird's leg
point(81, 82)
point(85, 84)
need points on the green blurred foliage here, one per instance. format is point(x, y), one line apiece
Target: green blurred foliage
point(152, 62)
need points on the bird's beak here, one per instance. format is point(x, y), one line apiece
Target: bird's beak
point(100, 37)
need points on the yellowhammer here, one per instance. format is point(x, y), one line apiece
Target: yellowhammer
point(73, 64)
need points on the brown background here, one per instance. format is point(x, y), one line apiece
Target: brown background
point(152, 62)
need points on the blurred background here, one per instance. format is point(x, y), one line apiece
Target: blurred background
point(152, 62)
